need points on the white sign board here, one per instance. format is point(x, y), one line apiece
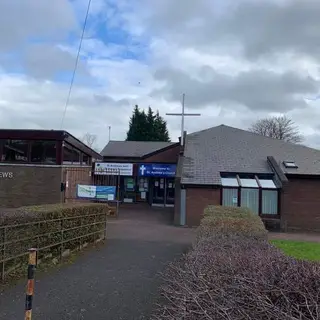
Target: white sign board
point(85, 191)
point(111, 168)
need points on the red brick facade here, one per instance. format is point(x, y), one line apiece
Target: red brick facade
point(300, 205)
point(197, 200)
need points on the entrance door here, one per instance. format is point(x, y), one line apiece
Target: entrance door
point(158, 194)
point(169, 199)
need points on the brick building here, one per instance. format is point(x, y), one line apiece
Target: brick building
point(278, 180)
point(34, 166)
point(147, 170)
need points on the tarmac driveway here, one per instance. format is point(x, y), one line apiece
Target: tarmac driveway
point(118, 280)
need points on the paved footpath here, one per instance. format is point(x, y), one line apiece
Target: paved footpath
point(118, 280)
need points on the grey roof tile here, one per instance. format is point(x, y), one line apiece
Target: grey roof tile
point(132, 148)
point(227, 149)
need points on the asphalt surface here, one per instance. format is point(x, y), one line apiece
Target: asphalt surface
point(117, 280)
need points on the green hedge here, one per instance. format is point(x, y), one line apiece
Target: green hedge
point(220, 220)
point(44, 225)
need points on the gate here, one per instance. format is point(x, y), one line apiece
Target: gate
point(73, 177)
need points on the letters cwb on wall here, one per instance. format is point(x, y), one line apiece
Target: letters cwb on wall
point(6, 175)
point(157, 170)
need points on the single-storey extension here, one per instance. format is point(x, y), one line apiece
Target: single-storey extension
point(34, 163)
point(147, 170)
point(277, 180)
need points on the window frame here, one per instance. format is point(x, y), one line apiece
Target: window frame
point(82, 155)
point(259, 188)
point(31, 142)
point(28, 153)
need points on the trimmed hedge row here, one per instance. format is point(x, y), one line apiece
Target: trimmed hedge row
point(231, 220)
point(47, 226)
point(233, 274)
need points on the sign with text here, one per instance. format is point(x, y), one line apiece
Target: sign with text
point(157, 170)
point(96, 192)
point(105, 192)
point(111, 168)
point(86, 191)
point(6, 175)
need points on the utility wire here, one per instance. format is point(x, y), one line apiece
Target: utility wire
point(76, 65)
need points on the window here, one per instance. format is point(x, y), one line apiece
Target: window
point(290, 164)
point(71, 155)
point(75, 156)
point(67, 154)
point(267, 184)
point(250, 199)
point(259, 195)
point(229, 182)
point(43, 152)
point(230, 197)
point(15, 151)
point(86, 160)
point(269, 202)
point(249, 183)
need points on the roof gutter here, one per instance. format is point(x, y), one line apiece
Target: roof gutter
point(281, 178)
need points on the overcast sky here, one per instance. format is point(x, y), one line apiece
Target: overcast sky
point(236, 60)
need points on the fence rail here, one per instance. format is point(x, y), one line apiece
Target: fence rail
point(61, 230)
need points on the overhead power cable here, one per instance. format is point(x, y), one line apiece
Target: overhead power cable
point(76, 64)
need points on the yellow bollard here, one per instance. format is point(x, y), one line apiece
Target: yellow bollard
point(30, 284)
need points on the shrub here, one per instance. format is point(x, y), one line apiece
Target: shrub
point(236, 274)
point(42, 227)
point(240, 278)
point(219, 220)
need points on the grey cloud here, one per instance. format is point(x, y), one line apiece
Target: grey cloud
point(313, 140)
point(45, 60)
point(261, 27)
point(268, 27)
point(257, 89)
point(24, 20)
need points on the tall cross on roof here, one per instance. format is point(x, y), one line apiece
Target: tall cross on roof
point(182, 115)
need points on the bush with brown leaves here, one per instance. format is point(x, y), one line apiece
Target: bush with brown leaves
point(236, 277)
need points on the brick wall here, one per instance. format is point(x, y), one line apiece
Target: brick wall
point(30, 185)
point(197, 200)
point(300, 205)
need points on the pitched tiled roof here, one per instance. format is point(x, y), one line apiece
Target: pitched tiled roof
point(133, 148)
point(227, 149)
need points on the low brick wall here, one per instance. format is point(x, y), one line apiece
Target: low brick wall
point(23, 185)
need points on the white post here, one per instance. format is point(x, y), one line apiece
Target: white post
point(182, 115)
point(182, 120)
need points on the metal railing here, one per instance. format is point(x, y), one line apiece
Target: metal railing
point(35, 239)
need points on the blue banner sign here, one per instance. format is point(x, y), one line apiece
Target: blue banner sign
point(96, 192)
point(157, 170)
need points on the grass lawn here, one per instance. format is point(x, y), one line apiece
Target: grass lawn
point(298, 249)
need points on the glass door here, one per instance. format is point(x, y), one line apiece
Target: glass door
point(158, 194)
point(129, 190)
point(142, 195)
point(170, 192)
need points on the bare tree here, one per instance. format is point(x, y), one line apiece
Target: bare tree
point(90, 140)
point(281, 128)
